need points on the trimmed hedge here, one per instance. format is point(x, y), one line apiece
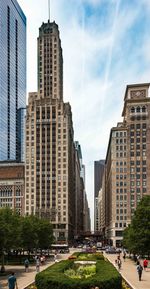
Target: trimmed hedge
point(106, 277)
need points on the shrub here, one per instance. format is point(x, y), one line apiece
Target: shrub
point(106, 277)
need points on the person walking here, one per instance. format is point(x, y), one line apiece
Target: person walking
point(124, 256)
point(145, 264)
point(12, 281)
point(37, 264)
point(26, 265)
point(119, 262)
point(139, 270)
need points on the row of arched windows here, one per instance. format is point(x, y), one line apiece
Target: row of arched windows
point(138, 109)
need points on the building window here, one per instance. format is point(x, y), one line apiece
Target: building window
point(143, 109)
point(138, 109)
point(132, 109)
point(132, 126)
point(144, 125)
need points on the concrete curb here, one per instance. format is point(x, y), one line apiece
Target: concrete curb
point(28, 285)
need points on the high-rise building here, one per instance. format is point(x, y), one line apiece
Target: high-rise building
point(82, 217)
point(98, 176)
point(12, 77)
point(50, 180)
point(127, 169)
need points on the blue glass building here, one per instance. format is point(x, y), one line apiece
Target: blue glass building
point(12, 78)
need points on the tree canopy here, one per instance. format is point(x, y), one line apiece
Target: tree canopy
point(137, 235)
point(27, 233)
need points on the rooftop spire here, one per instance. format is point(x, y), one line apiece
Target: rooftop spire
point(49, 10)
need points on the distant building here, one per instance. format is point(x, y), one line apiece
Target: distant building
point(98, 176)
point(13, 78)
point(12, 186)
point(87, 219)
point(50, 157)
point(81, 202)
point(100, 211)
point(127, 167)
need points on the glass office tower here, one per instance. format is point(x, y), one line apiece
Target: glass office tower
point(12, 76)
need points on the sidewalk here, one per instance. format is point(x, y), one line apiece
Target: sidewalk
point(24, 279)
point(129, 272)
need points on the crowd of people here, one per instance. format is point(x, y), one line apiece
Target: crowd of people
point(39, 260)
point(139, 265)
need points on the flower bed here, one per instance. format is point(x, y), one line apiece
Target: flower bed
point(88, 256)
point(104, 275)
point(81, 269)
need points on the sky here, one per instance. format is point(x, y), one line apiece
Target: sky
point(106, 45)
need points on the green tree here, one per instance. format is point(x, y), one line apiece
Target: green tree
point(9, 231)
point(137, 235)
point(45, 234)
point(28, 232)
point(35, 233)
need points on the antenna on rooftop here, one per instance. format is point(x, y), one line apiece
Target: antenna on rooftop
point(49, 10)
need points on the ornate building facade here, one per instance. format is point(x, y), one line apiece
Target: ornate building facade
point(50, 179)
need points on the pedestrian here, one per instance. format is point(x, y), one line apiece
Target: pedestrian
point(42, 260)
point(139, 270)
point(138, 258)
point(145, 264)
point(12, 281)
point(55, 256)
point(119, 262)
point(124, 256)
point(26, 264)
point(37, 264)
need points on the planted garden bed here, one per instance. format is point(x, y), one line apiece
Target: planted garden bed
point(73, 274)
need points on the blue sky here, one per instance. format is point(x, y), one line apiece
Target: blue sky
point(106, 45)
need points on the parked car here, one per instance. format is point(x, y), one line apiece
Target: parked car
point(118, 250)
point(111, 250)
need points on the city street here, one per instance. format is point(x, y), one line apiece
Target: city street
point(129, 272)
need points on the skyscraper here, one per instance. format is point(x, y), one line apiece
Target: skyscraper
point(12, 77)
point(127, 169)
point(98, 176)
point(50, 180)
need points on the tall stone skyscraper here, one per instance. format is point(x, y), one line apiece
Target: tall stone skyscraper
point(127, 167)
point(50, 190)
point(12, 80)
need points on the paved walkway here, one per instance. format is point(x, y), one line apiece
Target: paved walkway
point(24, 279)
point(129, 272)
